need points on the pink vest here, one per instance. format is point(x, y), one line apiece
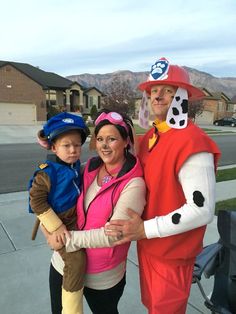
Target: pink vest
point(100, 211)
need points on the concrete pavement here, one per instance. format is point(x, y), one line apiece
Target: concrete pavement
point(25, 263)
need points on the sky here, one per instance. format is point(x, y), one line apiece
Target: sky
point(102, 36)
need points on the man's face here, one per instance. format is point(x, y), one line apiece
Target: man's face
point(161, 98)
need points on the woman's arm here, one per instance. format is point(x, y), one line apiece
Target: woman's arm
point(133, 196)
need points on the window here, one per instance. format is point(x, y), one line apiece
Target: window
point(220, 106)
point(90, 101)
point(99, 102)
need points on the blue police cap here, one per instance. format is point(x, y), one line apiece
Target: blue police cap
point(64, 122)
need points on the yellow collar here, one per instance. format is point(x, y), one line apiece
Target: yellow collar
point(161, 126)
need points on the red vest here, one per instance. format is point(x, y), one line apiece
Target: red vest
point(164, 192)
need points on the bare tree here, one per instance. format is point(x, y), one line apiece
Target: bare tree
point(120, 96)
point(195, 109)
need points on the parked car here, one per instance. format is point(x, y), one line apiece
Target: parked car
point(225, 121)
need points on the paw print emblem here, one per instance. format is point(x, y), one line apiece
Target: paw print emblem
point(159, 69)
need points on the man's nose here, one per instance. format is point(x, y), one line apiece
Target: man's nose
point(159, 94)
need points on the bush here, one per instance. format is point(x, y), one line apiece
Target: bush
point(52, 111)
point(93, 112)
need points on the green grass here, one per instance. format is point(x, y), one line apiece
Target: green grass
point(226, 175)
point(139, 130)
point(227, 204)
point(216, 131)
point(210, 130)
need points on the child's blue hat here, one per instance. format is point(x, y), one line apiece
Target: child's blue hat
point(64, 122)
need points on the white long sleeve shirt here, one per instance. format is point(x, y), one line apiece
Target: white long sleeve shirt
point(196, 174)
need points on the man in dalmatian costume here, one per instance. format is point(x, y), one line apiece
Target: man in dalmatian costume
point(179, 162)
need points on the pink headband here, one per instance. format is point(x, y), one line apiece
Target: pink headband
point(113, 117)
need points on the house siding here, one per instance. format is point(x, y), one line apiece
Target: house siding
point(16, 87)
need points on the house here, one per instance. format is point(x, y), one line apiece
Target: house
point(27, 94)
point(216, 106)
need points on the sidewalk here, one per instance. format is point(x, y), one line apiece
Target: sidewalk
point(25, 263)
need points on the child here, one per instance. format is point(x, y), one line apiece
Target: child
point(54, 190)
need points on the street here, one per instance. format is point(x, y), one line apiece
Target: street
point(18, 161)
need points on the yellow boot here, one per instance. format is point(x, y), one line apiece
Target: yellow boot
point(72, 302)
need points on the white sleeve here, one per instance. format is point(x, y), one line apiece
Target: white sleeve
point(197, 178)
point(132, 196)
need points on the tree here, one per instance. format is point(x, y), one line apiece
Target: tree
point(120, 96)
point(93, 112)
point(195, 108)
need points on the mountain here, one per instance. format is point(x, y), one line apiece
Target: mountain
point(227, 85)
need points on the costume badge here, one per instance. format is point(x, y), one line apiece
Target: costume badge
point(43, 166)
point(159, 70)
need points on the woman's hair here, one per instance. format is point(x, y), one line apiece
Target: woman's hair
point(123, 132)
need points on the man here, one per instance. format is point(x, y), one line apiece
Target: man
point(179, 162)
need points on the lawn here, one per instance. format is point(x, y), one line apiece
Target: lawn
point(227, 204)
point(226, 174)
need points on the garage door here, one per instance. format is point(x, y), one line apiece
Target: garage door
point(206, 117)
point(11, 113)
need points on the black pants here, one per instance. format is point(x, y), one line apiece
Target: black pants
point(99, 301)
point(55, 286)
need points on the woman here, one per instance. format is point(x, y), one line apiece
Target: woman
point(112, 182)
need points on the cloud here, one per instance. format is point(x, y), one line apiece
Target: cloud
point(108, 35)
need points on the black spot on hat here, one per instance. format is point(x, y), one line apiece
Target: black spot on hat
point(175, 111)
point(181, 122)
point(198, 198)
point(177, 98)
point(176, 218)
point(184, 106)
point(172, 121)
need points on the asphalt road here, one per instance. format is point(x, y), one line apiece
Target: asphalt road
point(18, 161)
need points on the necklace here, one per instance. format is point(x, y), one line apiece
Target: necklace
point(110, 174)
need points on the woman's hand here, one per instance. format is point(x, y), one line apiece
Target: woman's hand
point(52, 240)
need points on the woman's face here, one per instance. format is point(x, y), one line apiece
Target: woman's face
point(110, 145)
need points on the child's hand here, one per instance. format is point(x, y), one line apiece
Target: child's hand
point(54, 245)
point(60, 234)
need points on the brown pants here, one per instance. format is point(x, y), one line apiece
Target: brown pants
point(74, 269)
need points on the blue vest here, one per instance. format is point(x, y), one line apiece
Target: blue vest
point(65, 185)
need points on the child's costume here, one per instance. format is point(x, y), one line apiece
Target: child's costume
point(54, 189)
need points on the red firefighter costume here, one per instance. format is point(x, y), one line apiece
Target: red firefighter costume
point(166, 263)
point(161, 167)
